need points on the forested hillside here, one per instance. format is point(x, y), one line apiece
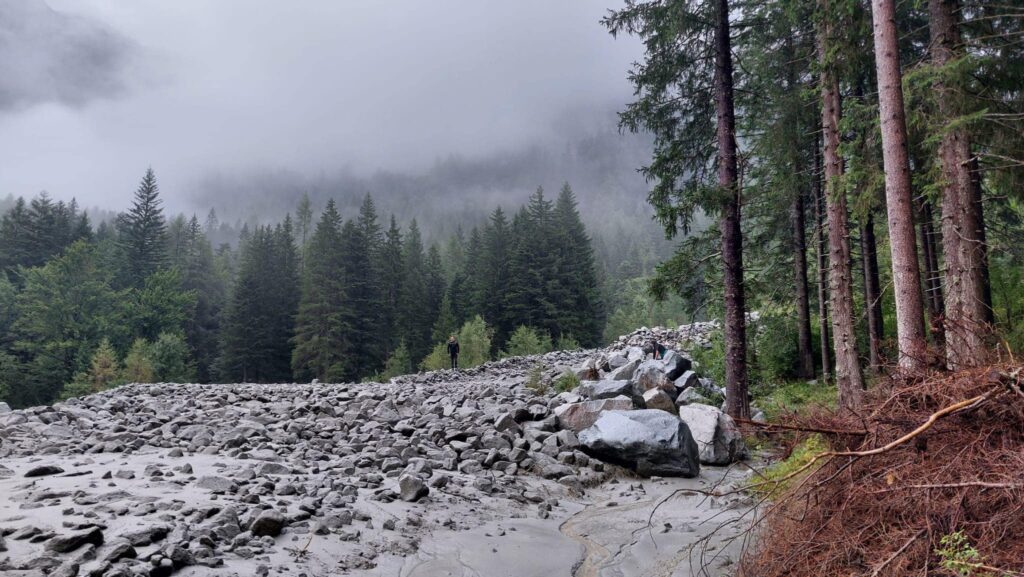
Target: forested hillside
point(315, 296)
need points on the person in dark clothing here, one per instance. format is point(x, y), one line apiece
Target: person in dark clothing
point(453, 351)
point(658, 350)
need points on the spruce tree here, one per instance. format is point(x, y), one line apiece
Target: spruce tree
point(533, 283)
point(469, 297)
point(392, 271)
point(492, 284)
point(580, 310)
point(144, 233)
point(259, 320)
point(15, 240)
point(416, 319)
point(200, 276)
point(285, 293)
point(446, 324)
point(361, 307)
point(368, 277)
point(319, 327)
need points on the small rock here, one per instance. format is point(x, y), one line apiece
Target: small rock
point(411, 488)
point(269, 523)
point(44, 470)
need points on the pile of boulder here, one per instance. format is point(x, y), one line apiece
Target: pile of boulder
point(697, 335)
point(148, 479)
point(652, 415)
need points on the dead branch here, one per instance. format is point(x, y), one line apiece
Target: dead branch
point(800, 428)
point(898, 552)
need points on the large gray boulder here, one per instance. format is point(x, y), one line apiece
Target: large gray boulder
point(616, 360)
point(651, 375)
point(675, 364)
point(623, 372)
point(691, 396)
point(606, 389)
point(718, 439)
point(659, 399)
point(70, 541)
point(687, 380)
point(578, 416)
point(649, 441)
point(635, 354)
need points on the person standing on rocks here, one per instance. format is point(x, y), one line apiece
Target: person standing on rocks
point(658, 350)
point(453, 351)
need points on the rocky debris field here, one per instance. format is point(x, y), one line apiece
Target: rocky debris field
point(371, 478)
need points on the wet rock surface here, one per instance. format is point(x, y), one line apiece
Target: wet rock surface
point(322, 479)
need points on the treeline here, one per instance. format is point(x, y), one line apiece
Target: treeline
point(322, 297)
point(802, 125)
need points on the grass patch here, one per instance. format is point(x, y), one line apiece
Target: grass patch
point(535, 380)
point(567, 382)
point(771, 483)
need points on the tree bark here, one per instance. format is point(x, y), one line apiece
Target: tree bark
point(849, 379)
point(805, 366)
point(872, 292)
point(932, 284)
point(805, 353)
point(822, 246)
point(979, 223)
point(906, 273)
point(737, 405)
point(963, 246)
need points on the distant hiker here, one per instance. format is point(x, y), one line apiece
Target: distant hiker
point(453, 351)
point(658, 350)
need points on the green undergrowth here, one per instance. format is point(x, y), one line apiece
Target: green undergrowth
point(567, 382)
point(775, 479)
point(794, 396)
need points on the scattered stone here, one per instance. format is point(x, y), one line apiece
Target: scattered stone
point(318, 458)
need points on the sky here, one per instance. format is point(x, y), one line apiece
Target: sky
point(94, 91)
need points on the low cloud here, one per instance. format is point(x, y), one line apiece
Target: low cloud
point(46, 56)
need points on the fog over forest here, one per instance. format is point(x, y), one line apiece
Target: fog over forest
point(441, 110)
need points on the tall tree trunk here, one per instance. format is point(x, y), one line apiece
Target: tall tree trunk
point(906, 273)
point(932, 284)
point(849, 379)
point(979, 224)
point(798, 222)
point(737, 404)
point(872, 292)
point(805, 367)
point(963, 248)
point(822, 246)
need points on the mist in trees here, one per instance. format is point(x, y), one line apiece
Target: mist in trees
point(824, 156)
point(147, 297)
